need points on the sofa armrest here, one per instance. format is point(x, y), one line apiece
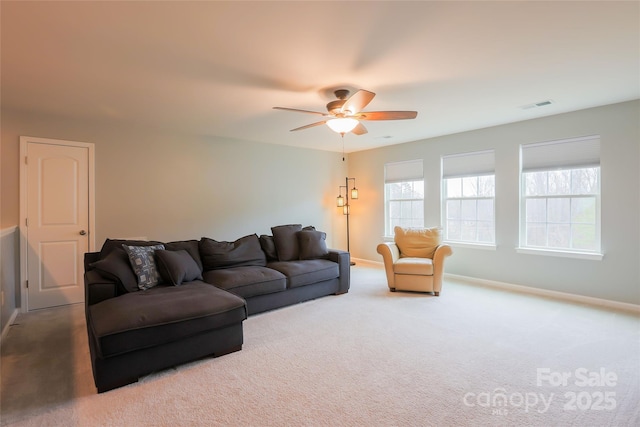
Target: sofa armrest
point(343, 258)
point(96, 287)
point(390, 254)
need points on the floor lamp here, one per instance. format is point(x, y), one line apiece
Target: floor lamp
point(343, 202)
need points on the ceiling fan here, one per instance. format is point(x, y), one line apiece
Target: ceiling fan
point(344, 114)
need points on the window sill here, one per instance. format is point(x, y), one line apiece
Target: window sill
point(566, 254)
point(482, 246)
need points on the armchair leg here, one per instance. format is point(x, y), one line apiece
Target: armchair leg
point(392, 289)
point(437, 293)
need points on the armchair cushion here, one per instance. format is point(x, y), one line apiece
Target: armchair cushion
point(417, 266)
point(417, 242)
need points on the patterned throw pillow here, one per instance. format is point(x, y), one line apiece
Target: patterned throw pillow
point(143, 264)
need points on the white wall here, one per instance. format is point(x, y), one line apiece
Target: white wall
point(166, 186)
point(616, 277)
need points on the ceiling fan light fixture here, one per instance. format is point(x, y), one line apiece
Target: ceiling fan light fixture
point(342, 124)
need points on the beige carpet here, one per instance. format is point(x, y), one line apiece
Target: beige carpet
point(471, 357)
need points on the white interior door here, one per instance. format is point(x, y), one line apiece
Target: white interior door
point(57, 221)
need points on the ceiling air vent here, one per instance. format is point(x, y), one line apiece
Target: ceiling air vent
point(537, 104)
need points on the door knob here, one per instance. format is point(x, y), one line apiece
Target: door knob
point(82, 232)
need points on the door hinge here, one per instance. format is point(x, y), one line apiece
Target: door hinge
point(26, 161)
point(26, 222)
point(27, 284)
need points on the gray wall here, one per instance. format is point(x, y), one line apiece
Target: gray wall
point(616, 277)
point(165, 186)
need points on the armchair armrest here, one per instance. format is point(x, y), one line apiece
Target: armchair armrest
point(390, 254)
point(343, 258)
point(442, 251)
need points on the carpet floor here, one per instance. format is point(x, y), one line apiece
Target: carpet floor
point(474, 356)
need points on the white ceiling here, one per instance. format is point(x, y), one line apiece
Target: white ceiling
point(218, 68)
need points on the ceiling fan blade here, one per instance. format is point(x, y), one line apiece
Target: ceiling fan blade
point(359, 129)
point(356, 102)
point(300, 111)
point(309, 126)
point(386, 115)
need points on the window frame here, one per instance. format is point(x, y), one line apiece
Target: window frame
point(554, 166)
point(409, 171)
point(473, 164)
point(476, 198)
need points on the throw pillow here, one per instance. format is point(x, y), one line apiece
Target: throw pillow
point(245, 251)
point(417, 242)
point(191, 246)
point(286, 241)
point(143, 264)
point(268, 246)
point(313, 244)
point(177, 266)
point(116, 266)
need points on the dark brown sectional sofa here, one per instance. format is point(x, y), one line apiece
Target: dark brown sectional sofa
point(151, 305)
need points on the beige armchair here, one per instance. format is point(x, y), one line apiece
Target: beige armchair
point(415, 260)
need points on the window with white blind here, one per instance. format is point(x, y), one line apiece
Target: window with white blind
point(403, 195)
point(560, 195)
point(468, 202)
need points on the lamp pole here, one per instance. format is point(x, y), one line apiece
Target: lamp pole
point(343, 202)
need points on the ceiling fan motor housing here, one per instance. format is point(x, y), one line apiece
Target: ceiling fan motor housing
point(334, 106)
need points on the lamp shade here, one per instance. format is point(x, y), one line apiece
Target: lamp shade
point(342, 124)
point(346, 210)
point(340, 201)
point(354, 193)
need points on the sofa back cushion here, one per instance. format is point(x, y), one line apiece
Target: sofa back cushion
point(245, 251)
point(417, 242)
point(112, 244)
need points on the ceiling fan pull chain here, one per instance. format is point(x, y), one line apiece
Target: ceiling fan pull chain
point(342, 134)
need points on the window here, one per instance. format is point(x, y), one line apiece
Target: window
point(469, 191)
point(403, 195)
point(560, 195)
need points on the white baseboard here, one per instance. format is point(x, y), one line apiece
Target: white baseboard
point(525, 289)
point(12, 319)
point(547, 293)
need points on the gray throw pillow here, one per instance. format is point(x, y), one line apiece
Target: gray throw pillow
point(286, 241)
point(177, 266)
point(269, 247)
point(143, 264)
point(313, 244)
point(117, 267)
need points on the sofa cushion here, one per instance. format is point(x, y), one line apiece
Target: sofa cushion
point(245, 251)
point(305, 272)
point(112, 244)
point(144, 264)
point(117, 267)
point(176, 267)
point(160, 315)
point(191, 246)
point(286, 241)
point(268, 246)
point(312, 244)
point(247, 281)
point(417, 242)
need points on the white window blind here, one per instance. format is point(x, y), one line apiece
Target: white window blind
point(563, 154)
point(468, 164)
point(403, 171)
